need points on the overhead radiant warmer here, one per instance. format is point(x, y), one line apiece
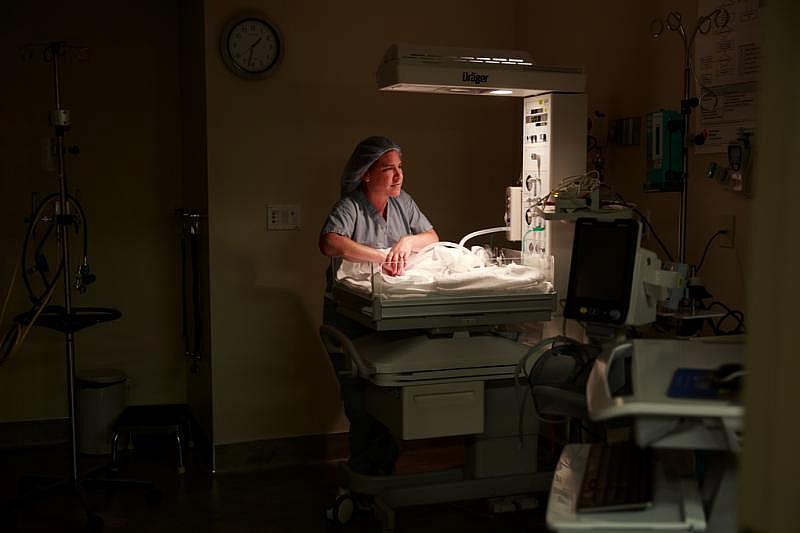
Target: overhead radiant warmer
point(472, 71)
point(553, 127)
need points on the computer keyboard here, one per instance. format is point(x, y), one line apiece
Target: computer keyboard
point(618, 477)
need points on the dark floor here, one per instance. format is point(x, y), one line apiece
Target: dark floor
point(278, 500)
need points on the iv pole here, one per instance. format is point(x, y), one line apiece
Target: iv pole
point(69, 319)
point(60, 121)
point(717, 19)
point(64, 318)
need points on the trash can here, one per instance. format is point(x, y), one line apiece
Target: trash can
point(101, 399)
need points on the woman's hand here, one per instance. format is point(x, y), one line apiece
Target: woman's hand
point(397, 257)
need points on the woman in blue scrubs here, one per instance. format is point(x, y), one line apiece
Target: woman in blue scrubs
point(374, 214)
point(373, 221)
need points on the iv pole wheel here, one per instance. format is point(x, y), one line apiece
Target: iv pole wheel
point(343, 507)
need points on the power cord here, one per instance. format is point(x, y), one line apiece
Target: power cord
point(735, 313)
point(8, 293)
point(655, 235)
point(559, 346)
point(15, 336)
point(521, 371)
point(643, 219)
point(708, 245)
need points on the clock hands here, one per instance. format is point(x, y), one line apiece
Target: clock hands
point(250, 55)
point(250, 46)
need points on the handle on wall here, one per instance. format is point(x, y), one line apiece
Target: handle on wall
point(191, 321)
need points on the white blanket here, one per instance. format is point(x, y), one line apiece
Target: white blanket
point(446, 268)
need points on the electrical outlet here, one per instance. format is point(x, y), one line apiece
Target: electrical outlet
point(728, 240)
point(283, 217)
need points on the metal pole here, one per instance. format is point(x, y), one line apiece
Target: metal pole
point(685, 110)
point(61, 124)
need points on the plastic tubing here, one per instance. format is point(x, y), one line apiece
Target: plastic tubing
point(468, 236)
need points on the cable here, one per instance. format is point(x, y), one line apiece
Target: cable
point(521, 371)
point(587, 180)
point(735, 313)
point(708, 244)
point(560, 345)
point(580, 181)
point(16, 335)
point(738, 315)
point(643, 219)
point(38, 216)
point(8, 293)
point(655, 235)
point(13, 339)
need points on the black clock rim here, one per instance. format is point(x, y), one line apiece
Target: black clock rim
point(275, 33)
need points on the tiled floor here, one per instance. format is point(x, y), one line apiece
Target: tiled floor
point(279, 500)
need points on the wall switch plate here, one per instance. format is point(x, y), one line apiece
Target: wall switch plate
point(728, 240)
point(283, 217)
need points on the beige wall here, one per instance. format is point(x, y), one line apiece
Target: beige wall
point(124, 103)
point(285, 140)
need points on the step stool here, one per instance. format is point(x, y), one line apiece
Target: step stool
point(151, 419)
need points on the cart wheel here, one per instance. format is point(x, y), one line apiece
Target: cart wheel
point(342, 510)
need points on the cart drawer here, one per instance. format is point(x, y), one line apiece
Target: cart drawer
point(426, 411)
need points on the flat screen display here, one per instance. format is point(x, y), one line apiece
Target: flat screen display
point(601, 271)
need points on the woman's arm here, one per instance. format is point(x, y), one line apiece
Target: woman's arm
point(335, 245)
point(414, 243)
point(398, 256)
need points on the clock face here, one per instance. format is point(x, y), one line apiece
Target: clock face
point(251, 47)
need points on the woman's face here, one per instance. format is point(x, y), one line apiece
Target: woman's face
point(385, 176)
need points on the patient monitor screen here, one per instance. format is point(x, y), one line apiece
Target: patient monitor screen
point(601, 271)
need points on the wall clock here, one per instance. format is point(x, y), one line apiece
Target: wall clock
point(251, 46)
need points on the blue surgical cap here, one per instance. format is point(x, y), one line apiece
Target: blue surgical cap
point(365, 154)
